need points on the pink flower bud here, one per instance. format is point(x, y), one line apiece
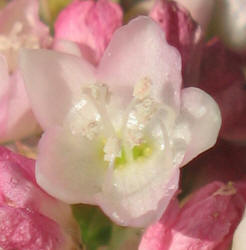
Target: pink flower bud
point(181, 32)
point(206, 222)
point(223, 78)
point(29, 218)
point(91, 24)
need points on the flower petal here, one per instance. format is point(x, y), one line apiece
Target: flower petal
point(199, 122)
point(139, 50)
point(67, 46)
point(90, 24)
point(18, 189)
point(183, 33)
point(53, 81)
point(69, 166)
point(17, 120)
point(138, 194)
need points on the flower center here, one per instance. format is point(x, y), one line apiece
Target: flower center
point(12, 42)
point(139, 130)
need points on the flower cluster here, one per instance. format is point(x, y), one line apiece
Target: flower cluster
point(117, 109)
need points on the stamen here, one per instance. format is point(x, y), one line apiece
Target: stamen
point(142, 88)
point(112, 149)
point(91, 129)
point(99, 96)
point(138, 114)
point(145, 110)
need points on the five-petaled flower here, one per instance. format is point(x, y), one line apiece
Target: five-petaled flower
point(117, 134)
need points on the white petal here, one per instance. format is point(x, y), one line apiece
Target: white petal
point(54, 83)
point(199, 123)
point(69, 167)
point(139, 50)
point(138, 194)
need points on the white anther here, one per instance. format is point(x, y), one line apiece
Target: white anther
point(142, 89)
point(90, 129)
point(145, 109)
point(112, 149)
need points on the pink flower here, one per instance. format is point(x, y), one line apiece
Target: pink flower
point(90, 24)
point(20, 27)
point(183, 33)
point(29, 218)
point(116, 134)
point(222, 77)
point(206, 221)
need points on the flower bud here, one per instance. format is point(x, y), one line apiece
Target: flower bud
point(206, 221)
point(90, 24)
point(181, 32)
point(29, 218)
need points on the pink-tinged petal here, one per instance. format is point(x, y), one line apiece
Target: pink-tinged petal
point(24, 229)
point(91, 24)
point(201, 10)
point(198, 124)
point(139, 194)
point(207, 221)
point(67, 46)
point(77, 166)
point(16, 120)
point(54, 83)
point(26, 12)
point(181, 32)
point(138, 50)
point(222, 78)
point(239, 239)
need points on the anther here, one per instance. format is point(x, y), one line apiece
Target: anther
point(142, 89)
